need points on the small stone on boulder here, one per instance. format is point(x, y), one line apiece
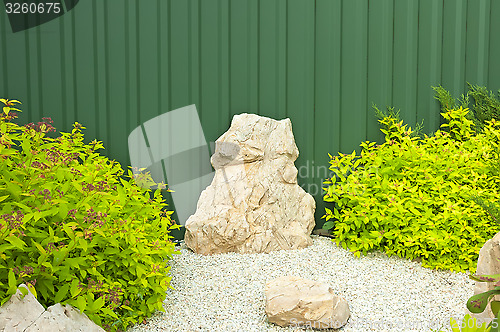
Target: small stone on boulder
point(254, 203)
point(294, 301)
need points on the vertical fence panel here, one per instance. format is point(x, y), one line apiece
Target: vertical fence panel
point(453, 58)
point(404, 82)
point(478, 40)
point(243, 56)
point(193, 52)
point(494, 47)
point(300, 78)
point(239, 56)
point(272, 48)
point(179, 49)
point(68, 71)
point(224, 46)
point(34, 73)
point(15, 69)
point(50, 70)
point(354, 70)
point(209, 65)
point(114, 65)
point(327, 78)
point(164, 53)
point(3, 53)
point(184, 75)
point(132, 62)
point(98, 32)
point(380, 52)
point(214, 67)
point(116, 87)
point(85, 79)
point(194, 65)
point(281, 58)
point(430, 36)
point(147, 52)
point(327, 98)
point(253, 9)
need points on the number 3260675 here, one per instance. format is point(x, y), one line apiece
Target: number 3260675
point(33, 8)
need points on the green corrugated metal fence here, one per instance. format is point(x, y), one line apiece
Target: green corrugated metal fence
point(113, 65)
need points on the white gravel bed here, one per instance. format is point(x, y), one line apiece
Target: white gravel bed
point(226, 292)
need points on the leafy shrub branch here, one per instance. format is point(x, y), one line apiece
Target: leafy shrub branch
point(75, 229)
point(412, 196)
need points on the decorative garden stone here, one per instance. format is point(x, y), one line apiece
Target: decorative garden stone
point(294, 301)
point(27, 315)
point(17, 314)
point(487, 263)
point(254, 203)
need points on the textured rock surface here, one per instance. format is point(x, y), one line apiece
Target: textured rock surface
point(488, 263)
point(18, 313)
point(294, 301)
point(27, 315)
point(254, 203)
point(67, 318)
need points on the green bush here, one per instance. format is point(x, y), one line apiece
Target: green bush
point(390, 113)
point(76, 230)
point(485, 106)
point(412, 197)
point(492, 209)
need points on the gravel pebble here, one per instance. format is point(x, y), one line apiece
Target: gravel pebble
point(226, 292)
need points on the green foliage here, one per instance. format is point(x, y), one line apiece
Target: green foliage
point(492, 209)
point(458, 127)
point(75, 230)
point(412, 196)
point(448, 102)
point(444, 97)
point(395, 122)
point(485, 106)
point(477, 303)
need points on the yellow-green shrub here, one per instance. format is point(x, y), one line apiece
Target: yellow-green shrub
point(412, 196)
point(75, 231)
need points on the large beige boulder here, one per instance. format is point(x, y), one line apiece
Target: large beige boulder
point(254, 203)
point(294, 301)
point(26, 314)
point(487, 263)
